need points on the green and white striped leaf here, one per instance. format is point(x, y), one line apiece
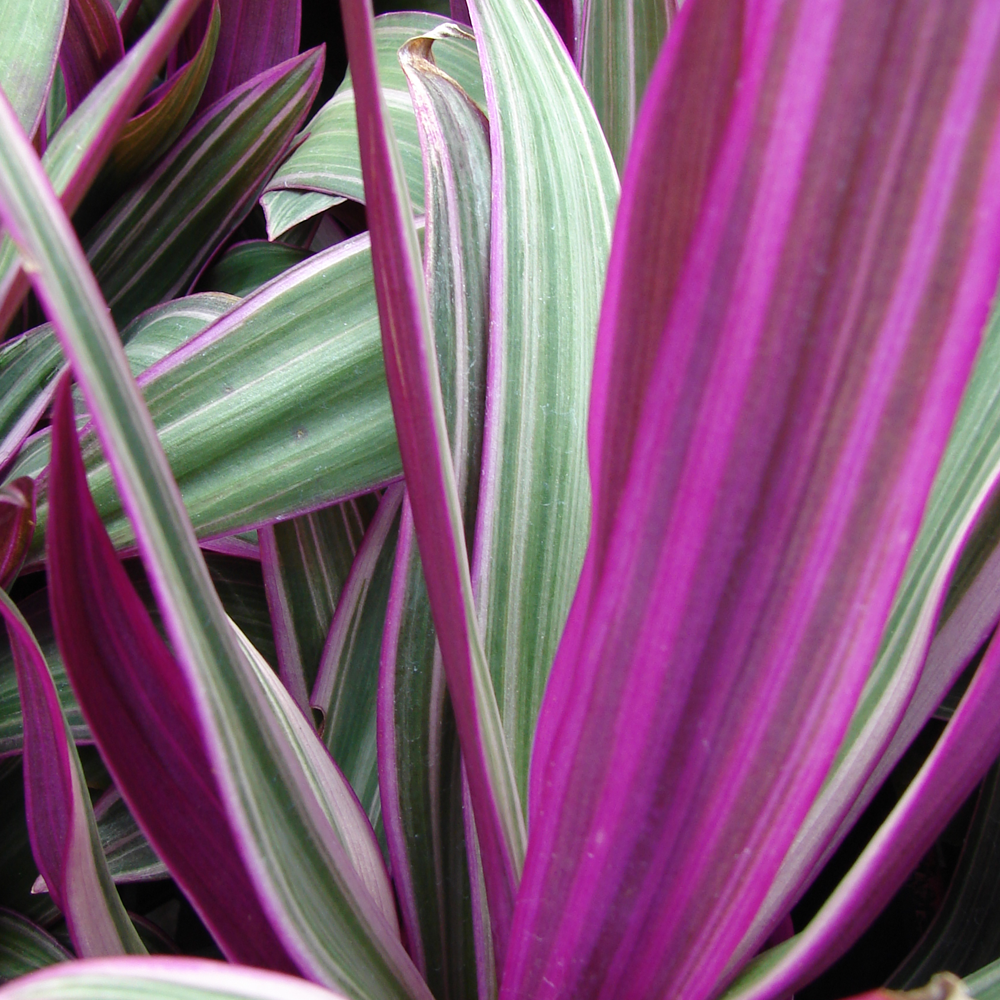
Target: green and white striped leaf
point(285, 209)
point(280, 407)
point(326, 916)
point(328, 161)
point(30, 363)
point(418, 741)
point(306, 561)
point(346, 689)
point(150, 134)
point(30, 34)
point(151, 244)
point(554, 197)
point(25, 947)
point(75, 153)
point(620, 42)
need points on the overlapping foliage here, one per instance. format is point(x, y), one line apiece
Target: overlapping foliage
point(539, 573)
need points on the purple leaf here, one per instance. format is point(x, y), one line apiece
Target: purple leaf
point(92, 45)
point(790, 416)
point(141, 714)
point(255, 35)
point(415, 392)
point(61, 826)
point(17, 525)
point(966, 749)
point(691, 96)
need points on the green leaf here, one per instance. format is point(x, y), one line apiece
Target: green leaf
point(306, 561)
point(418, 744)
point(163, 979)
point(328, 161)
point(346, 687)
point(268, 762)
point(555, 193)
point(30, 33)
point(150, 134)
point(25, 947)
point(272, 411)
point(76, 152)
point(619, 45)
point(243, 268)
point(155, 239)
point(30, 363)
point(285, 209)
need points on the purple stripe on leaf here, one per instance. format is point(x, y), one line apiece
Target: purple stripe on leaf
point(812, 354)
point(256, 35)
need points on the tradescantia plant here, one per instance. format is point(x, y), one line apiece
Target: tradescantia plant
point(539, 574)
